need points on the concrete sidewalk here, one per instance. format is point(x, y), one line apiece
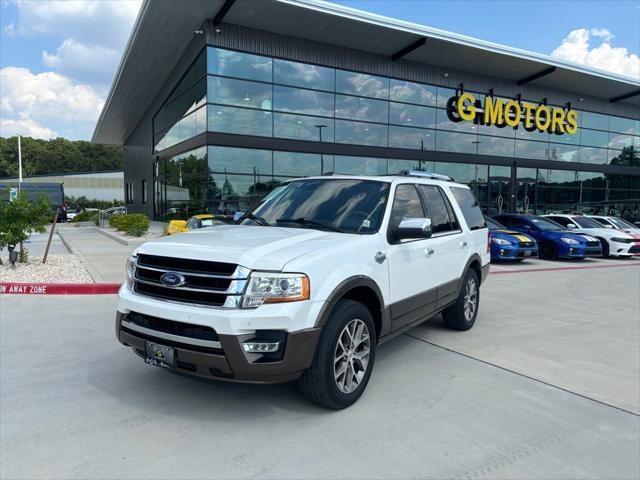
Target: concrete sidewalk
point(103, 257)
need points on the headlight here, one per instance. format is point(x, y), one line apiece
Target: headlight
point(131, 269)
point(570, 241)
point(500, 241)
point(267, 287)
point(622, 240)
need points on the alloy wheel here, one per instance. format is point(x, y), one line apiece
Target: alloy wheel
point(351, 357)
point(470, 299)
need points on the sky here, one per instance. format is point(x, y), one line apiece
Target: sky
point(58, 58)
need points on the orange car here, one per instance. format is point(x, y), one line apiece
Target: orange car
point(195, 222)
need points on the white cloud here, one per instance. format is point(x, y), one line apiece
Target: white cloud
point(93, 64)
point(46, 104)
point(577, 47)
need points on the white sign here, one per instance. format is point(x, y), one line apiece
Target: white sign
point(13, 194)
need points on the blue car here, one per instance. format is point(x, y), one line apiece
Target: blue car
point(510, 245)
point(554, 240)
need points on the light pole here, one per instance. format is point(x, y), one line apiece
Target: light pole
point(19, 163)
point(320, 127)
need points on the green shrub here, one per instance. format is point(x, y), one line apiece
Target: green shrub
point(90, 216)
point(134, 224)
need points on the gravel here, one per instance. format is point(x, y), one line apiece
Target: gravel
point(58, 269)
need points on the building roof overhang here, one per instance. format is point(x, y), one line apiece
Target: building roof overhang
point(165, 28)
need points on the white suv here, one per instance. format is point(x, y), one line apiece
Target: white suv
point(309, 282)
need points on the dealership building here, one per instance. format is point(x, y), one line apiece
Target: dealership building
point(219, 101)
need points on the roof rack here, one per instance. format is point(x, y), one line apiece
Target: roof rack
point(417, 173)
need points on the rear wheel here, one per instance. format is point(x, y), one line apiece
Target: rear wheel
point(548, 250)
point(462, 314)
point(344, 358)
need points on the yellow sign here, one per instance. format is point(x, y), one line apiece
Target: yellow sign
point(512, 113)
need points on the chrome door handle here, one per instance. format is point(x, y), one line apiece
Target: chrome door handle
point(429, 252)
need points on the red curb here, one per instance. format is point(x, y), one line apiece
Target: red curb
point(550, 269)
point(59, 288)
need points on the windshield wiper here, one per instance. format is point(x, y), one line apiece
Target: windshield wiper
point(255, 218)
point(309, 222)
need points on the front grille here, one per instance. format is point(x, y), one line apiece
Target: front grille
point(205, 282)
point(526, 244)
point(592, 243)
point(172, 327)
point(635, 249)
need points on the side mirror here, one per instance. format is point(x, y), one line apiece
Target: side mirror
point(413, 228)
point(570, 225)
point(178, 223)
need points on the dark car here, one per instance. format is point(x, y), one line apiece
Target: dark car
point(53, 192)
point(508, 244)
point(554, 240)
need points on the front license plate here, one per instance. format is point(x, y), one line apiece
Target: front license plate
point(527, 253)
point(160, 355)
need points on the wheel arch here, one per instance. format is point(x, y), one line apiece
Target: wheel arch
point(362, 289)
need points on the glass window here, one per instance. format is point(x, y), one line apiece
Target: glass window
point(443, 123)
point(410, 92)
point(352, 206)
point(295, 100)
point(531, 149)
point(565, 153)
point(360, 165)
point(239, 64)
point(619, 141)
point(413, 138)
point(397, 165)
point(188, 164)
point(228, 194)
point(303, 75)
point(241, 93)
point(361, 133)
point(637, 126)
point(144, 191)
point(293, 164)
point(240, 120)
point(594, 120)
point(412, 115)
point(362, 109)
point(406, 204)
point(195, 72)
point(502, 147)
point(240, 160)
point(522, 134)
point(460, 172)
point(438, 211)
point(597, 156)
point(567, 138)
point(362, 84)
point(621, 125)
point(444, 94)
point(627, 157)
point(470, 207)
point(456, 142)
point(594, 138)
point(636, 143)
point(302, 127)
point(497, 131)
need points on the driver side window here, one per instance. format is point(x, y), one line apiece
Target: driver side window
point(406, 204)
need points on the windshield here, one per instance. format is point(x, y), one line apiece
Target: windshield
point(493, 225)
point(346, 205)
point(585, 222)
point(209, 222)
point(546, 224)
point(619, 223)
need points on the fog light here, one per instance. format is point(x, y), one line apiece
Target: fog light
point(261, 347)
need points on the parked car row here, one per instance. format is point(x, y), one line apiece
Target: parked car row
point(516, 237)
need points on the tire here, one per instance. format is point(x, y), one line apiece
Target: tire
point(547, 250)
point(319, 383)
point(605, 247)
point(458, 316)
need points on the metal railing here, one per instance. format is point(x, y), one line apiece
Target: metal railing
point(105, 215)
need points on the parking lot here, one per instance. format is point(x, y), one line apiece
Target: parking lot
point(546, 385)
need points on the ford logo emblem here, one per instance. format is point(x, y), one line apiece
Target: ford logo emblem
point(172, 279)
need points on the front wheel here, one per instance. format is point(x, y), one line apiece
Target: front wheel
point(344, 358)
point(462, 314)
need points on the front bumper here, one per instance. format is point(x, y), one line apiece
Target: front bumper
point(229, 361)
point(581, 252)
point(512, 252)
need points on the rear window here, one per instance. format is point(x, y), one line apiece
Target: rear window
point(470, 208)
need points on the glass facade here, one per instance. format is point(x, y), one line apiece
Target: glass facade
point(240, 93)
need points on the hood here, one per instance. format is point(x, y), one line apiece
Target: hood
point(512, 235)
point(253, 247)
point(581, 237)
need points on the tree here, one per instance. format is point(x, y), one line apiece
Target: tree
point(20, 218)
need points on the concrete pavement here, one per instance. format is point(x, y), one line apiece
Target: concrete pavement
point(84, 406)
